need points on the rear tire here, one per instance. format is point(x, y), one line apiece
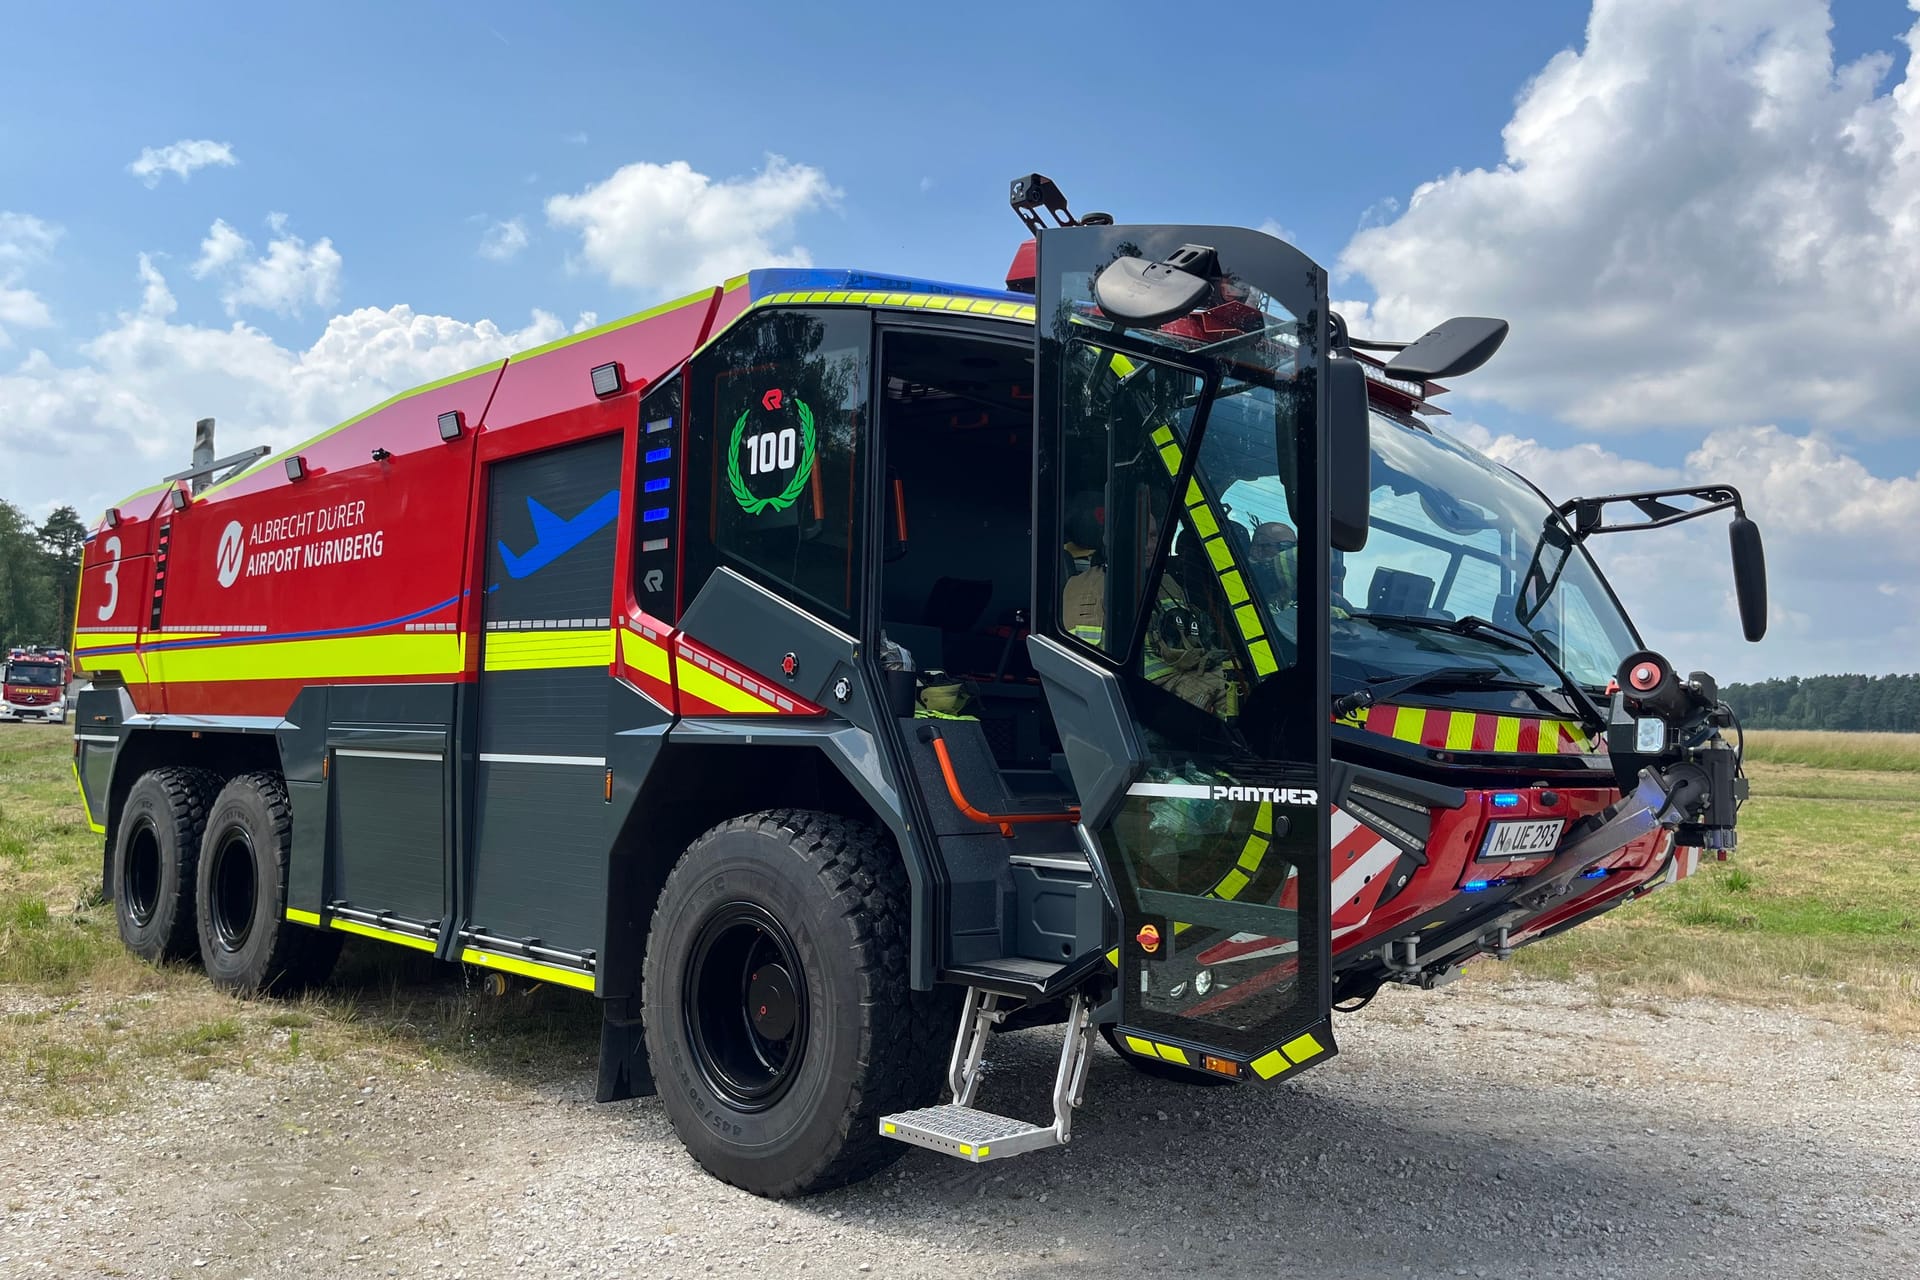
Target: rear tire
point(156, 855)
point(246, 941)
point(777, 1012)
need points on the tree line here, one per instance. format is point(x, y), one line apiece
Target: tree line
point(1883, 704)
point(39, 569)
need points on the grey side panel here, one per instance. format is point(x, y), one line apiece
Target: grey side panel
point(541, 869)
point(306, 871)
point(389, 851)
point(1102, 746)
point(754, 627)
point(559, 712)
point(852, 750)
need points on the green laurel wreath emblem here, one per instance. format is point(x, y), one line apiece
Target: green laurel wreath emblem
point(752, 505)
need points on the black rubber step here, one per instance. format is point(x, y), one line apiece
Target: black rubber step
point(1023, 977)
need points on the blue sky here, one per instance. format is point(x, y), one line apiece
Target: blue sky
point(402, 137)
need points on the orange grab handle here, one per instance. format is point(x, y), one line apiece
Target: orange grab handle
point(1005, 821)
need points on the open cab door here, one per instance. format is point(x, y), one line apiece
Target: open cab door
point(1183, 419)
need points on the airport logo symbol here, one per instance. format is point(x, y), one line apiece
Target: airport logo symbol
point(231, 552)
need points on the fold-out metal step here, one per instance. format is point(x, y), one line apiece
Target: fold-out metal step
point(968, 1133)
point(1023, 978)
point(958, 1128)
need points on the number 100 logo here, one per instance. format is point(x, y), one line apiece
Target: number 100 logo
point(772, 451)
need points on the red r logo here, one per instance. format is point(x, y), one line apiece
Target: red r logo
point(771, 400)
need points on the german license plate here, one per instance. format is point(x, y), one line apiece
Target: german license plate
point(1522, 839)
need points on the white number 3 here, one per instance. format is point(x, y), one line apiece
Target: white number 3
point(112, 578)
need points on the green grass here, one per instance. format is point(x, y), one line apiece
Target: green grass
point(1820, 905)
point(1879, 752)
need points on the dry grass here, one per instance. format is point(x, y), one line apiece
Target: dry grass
point(1879, 752)
point(84, 1025)
point(1819, 908)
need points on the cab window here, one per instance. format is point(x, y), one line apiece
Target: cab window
point(776, 412)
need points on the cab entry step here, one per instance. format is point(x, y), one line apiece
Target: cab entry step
point(968, 1133)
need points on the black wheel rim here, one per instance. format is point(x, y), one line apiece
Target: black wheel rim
point(231, 889)
point(142, 887)
point(745, 998)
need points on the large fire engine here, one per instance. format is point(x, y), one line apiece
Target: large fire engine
point(828, 669)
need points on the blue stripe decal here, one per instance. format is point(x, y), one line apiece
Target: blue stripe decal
point(276, 637)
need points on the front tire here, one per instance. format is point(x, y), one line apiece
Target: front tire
point(156, 855)
point(777, 1012)
point(246, 941)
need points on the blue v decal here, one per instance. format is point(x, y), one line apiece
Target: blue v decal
point(554, 537)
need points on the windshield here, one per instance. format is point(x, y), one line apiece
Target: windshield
point(1451, 535)
point(37, 673)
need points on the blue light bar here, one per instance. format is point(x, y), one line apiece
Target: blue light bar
point(1506, 800)
point(655, 486)
point(659, 455)
point(657, 513)
point(1598, 873)
point(1474, 886)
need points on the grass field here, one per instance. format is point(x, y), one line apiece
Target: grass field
point(1819, 907)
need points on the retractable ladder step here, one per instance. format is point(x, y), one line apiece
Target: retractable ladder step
point(960, 1129)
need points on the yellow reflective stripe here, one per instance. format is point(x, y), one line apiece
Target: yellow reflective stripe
point(1113, 957)
point(1170, 457)
point(541, 650)
point(406, 654)
point(1236, 587)
point(884, 298)
point(1408, 722)
point(1263, 660)
point(1249, 619)
point(92, 826)
point(527, 968)
point(1460, 730)
point(1162, 435)
point(648, 655)
point(128, 665)
point(103, 640)
point(708, 687)
point(1231, 884)
point(1254, 852)
point(298, 916)
point(1121, 365)
point(1506, 734)
point(1140, 1046)
point(1172, 1054)
point(1203, 522)
point(1549, 738)
point(385, 935)
point(1219, 553)
point(1301, 1048)
point(1269, 1065)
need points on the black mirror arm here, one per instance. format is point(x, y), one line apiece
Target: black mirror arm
point(1587, 516)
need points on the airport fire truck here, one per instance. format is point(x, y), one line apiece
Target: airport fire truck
point(830, 669)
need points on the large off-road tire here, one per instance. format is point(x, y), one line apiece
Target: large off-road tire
point(246, 941)
point(778, 1016)
point(1163, 1070)
point(156, 855)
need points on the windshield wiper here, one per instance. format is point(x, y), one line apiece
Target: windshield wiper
point(1445, 677)
point(1471, 625)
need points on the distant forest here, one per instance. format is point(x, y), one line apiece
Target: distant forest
point(1881, 704)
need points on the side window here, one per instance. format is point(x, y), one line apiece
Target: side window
point(1124, 417)
point(657, 476)
point(776, 418)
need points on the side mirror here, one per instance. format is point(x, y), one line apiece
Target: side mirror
point(1349, 457)
point(1749, 576)
point(1456, 346)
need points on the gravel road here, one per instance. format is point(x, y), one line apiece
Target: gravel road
point(1486, 1130)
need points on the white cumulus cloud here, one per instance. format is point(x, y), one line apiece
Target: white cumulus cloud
point(1834, 539)
point(180, 159)
point(669, 228)
point(285, 279)
point(121, 415)
point(25, 242)
point(1702, 216)
point(504, 240)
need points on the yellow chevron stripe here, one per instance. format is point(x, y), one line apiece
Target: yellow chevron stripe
point(103, 640)
point(1408, 722)
point(1506, 734)
point(648, 655)
point(129, 666)
point(708, 687)
point(544, 650)
point(92, 826)
point(1460, 730)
